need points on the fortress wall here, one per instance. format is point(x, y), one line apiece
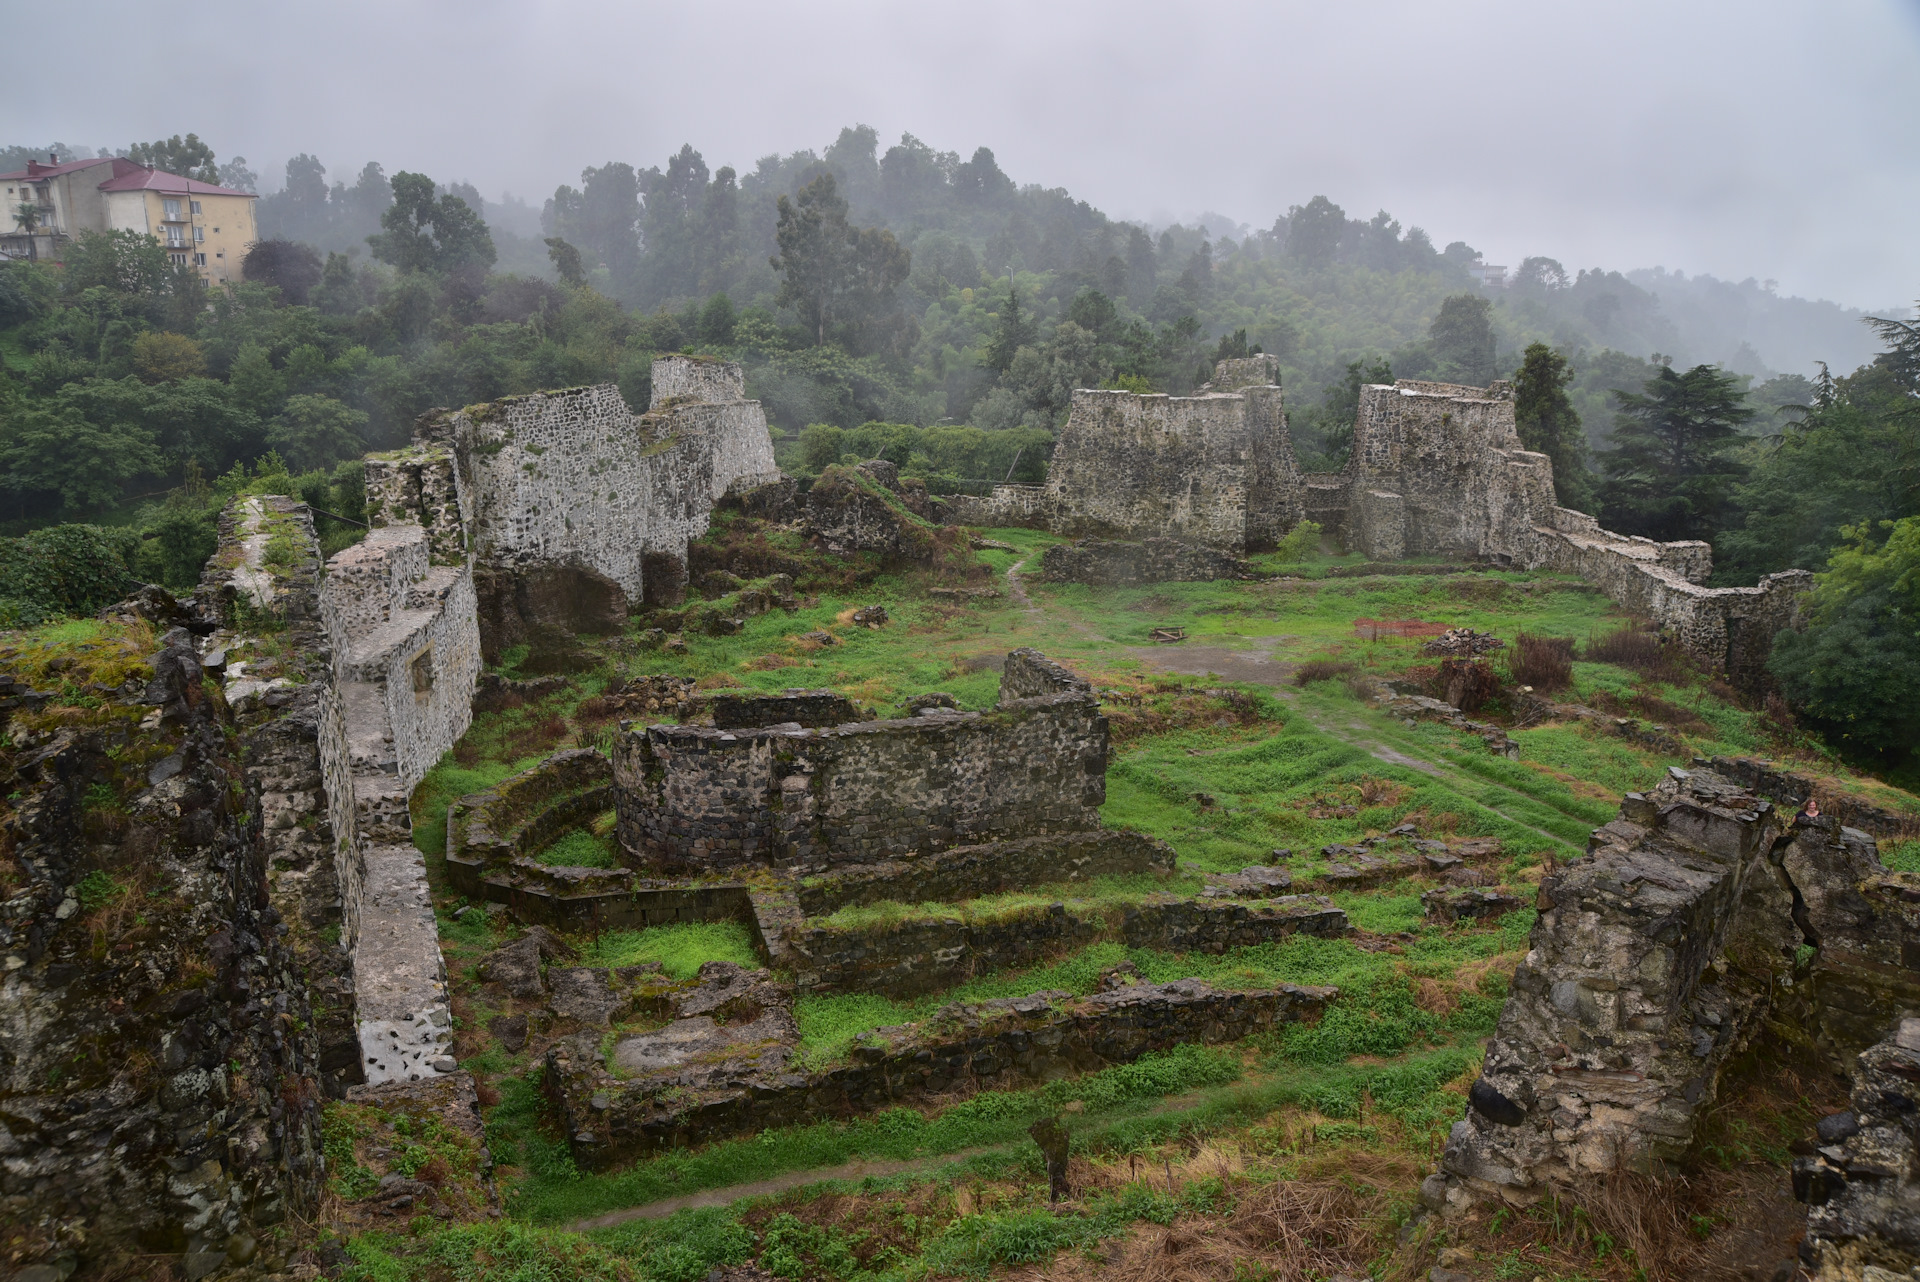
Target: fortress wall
point(822, 797)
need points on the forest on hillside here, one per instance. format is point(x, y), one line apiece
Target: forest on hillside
point(905, 303)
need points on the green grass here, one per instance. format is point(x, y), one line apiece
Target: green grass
point(580, 849)
point(680, 949)
point(1097, 895)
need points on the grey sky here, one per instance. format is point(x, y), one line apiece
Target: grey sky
point(1764, 138)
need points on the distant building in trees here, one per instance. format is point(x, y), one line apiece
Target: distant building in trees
point(202, 226)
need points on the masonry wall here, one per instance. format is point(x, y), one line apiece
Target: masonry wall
point(1215, 469)
point(814, 798)
point(1656, 959)
point(293, 745)
point(573, 478)
point(1438, 470)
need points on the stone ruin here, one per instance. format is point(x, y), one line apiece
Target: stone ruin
point(573, 509)
point(1709, 908)
point(1436, 469)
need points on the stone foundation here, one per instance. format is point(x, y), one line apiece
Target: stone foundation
point(968, 872)
point(707, 799)
point(1106, 563)
point(720, 1067)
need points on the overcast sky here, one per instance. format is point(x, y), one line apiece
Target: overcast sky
point(1768, 138)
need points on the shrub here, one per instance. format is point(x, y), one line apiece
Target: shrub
point(64, 570)
point(1545, 663)
point(1301, 542)
point(1643, 652)
point(1320, 670)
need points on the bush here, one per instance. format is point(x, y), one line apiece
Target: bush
point(1643, 652)
point(1301, 542)
point(1545, 663)
point(64, 570)
point(1320, 670)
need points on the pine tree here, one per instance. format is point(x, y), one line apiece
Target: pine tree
point(1671, 472)
point(1550, 425)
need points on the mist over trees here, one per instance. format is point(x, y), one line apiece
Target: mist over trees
point(903, 302)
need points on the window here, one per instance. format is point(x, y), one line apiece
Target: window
point(170, 210)
point(199, 234)
point(196, 206)
point(200, 260)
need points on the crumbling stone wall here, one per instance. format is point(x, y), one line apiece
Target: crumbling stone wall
point(489, 831)
point(406, 647)
point(1702, 910)
point(272, 649)
point(967, 872)
point(1113, 563)
point(575, 509)
point(162, 1093)
point(811, 798)
point(699, 1078)
point(1859, 1184)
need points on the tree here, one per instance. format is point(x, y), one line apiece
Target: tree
point(1333, 422)
point(1855, 672)
point(1549, 425)
point(54, 449)
point(1314, 231)
point(566, 261)
point(1852, 458)
point(834, 274)
point(162, 357)
point(338, 293)
point(235, 175)
point(717, 320)
point(1011, 332)
point(432, 234)
point(1671, 472)
point(185, 158)
point(292, 268)
point(26, 215)
point(126, 262)
point(313, 432)
point(1462, 338)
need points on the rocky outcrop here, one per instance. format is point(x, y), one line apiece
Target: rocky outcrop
point(1701, 912)
point(159, 1059)
point(1861, 1183)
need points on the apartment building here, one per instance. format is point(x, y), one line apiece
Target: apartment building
point(203, 226)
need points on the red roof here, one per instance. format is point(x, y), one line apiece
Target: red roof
point(127, 176)
point(36, 170)
point(158, 180)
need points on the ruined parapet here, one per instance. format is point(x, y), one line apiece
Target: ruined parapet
point(419, 485)
point(1262, 369)
point(1703, 911)
point(158, 1056)
point(697, 378)
point(1862, 1183)
point(812, 798)
point(577, 509)
point(1438, 470)
point(406, 644)
point(1651, 964)
point(1725, 630)
point(1216, 469)
point(273, 651)
point(1111, 563)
